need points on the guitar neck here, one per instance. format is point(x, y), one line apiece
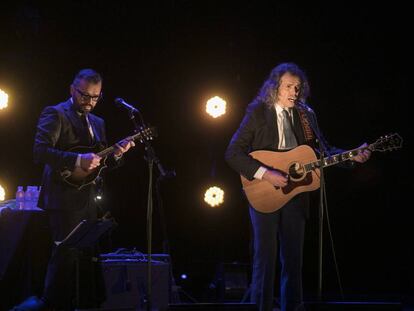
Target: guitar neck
point(336, 158)
point(106, 152)
point(110, 150)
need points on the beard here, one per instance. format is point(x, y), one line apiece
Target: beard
point(84, 108)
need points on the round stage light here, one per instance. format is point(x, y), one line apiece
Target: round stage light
point(214, 196)
point(2, 194)
point(4, 98)
point(216, 107)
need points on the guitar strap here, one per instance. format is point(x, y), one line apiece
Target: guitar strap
point(307, 129)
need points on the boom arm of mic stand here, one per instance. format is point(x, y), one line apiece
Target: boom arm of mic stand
point(148, 147)
point(132, 118)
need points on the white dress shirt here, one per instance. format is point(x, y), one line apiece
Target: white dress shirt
point(279, 115)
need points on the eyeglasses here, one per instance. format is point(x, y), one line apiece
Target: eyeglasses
point(87, 97)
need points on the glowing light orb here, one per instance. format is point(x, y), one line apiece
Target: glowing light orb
point(2, 193)
point(216, 107)
point(214, 196)
point(4, 98)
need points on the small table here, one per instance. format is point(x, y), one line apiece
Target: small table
point(25, 246)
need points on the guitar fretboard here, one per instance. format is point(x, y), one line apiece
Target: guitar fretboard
point(145, 134)
point(106, 152)
point(335, 159)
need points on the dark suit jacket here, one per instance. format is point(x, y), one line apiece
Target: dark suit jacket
point(259, 131)
point(59, 129)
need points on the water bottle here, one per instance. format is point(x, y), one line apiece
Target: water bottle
point(20, 197)
point(36, 191)
point(34, 196)
point(28, 198)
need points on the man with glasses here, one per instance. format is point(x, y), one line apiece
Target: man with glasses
point(60, 128)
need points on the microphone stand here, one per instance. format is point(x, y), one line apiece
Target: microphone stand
point(322, 151)
point(151, 158)
point(321, 218)
point(174, 296)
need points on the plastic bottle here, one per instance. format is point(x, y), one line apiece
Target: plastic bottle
point(36, 191)
point(20, 197)
point(34, 196)
point(28, 198)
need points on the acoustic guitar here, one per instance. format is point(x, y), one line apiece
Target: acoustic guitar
point(303, 170)
point(80, 177)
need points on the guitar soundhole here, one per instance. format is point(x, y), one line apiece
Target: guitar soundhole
point(296, 171)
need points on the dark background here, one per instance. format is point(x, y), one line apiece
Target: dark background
point(168, 58)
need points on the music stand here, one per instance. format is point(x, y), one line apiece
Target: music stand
point(86, 234)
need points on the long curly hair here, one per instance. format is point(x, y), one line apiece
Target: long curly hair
point(269, 90)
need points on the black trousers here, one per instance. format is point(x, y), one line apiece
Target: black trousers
point(59, 289)
point(283, 229)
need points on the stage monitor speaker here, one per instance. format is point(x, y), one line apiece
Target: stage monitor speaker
point(232, 281)
point(126, 284)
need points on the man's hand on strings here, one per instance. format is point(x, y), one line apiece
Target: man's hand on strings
point(276, 178)
point(123, 146)
point(89, 161)
point(363, 155)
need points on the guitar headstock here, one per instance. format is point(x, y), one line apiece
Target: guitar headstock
point(387, 143)
point(145, 134)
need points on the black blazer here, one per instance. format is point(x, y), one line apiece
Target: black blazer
point(59, 129)
point(259, 131)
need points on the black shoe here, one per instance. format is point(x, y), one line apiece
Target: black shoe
point(32, 303)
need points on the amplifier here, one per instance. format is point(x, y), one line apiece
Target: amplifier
point(126, 281)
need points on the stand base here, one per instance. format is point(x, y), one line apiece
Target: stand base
point(352, 306)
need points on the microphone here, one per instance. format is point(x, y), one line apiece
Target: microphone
point(304, 105)
point(121, 102)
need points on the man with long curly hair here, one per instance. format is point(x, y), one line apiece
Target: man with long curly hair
point(275, 121)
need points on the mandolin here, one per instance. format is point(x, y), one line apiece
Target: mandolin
point(80, 177)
